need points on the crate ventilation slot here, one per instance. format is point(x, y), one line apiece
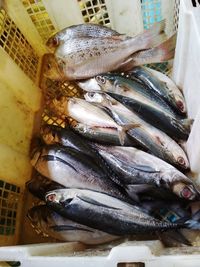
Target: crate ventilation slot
point(16, 46)
point(9, 199)
point(176, 14)
point(40, 18)
point(94, 11)
point(151, 12)
point(195, 3)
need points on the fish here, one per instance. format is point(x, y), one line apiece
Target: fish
point(39, 185)
point(160, 53)
point(85, 112)
point(147, 137)
point(73, 169)
point(160, 88)
point(79, 31)
point(85, 57)
point(138, 167)
point(118, 84)
point(174, 127)
point(46, 221)
point(108, 136)
point(52, 134)
point(108, 214)
point(173, 89)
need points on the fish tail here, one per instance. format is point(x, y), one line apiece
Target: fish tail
point(152, 36)
point(194, 222)
point(162, 52)
point(123, 129)
point(173, 236)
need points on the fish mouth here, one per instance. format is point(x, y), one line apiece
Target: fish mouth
point(189, 192)
point(185, 191)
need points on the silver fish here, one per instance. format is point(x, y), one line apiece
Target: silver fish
point(138, 167)
point(73, 169)
point(104, 212)
point(160, 88)
point(49, 223)
point(147, 136)
point(84, 57)
point(85, 112)
point(138, 98)
point(173, 89)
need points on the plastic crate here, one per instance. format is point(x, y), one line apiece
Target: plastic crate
point(25, 25)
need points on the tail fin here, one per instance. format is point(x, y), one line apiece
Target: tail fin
point(163, 52)
point(173, 238)
point(194, 222)
point(150, 37)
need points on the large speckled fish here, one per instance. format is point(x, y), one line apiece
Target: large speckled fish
point(83, 57)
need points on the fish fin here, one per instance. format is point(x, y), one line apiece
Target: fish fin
point(94, 202)
point(173, 238)
point(187, 123)
point(148, 38)
point(123, 129)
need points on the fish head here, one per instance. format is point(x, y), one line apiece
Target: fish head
point(90, 85)
point(105, 81)
point(53, 68)
point(50, 134)
point(186, 190)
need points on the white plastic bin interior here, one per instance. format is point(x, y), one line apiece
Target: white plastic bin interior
point(25, 25)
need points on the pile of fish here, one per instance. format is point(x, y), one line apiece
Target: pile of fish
point(119, 171)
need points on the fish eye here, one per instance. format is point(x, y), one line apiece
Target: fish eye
point(91, 94)
point(100, 79)
point(186, 193)
point(181, 160)
point(55, 41)
point(51, 197)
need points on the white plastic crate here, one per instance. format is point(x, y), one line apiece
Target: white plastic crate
point(25, 25)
